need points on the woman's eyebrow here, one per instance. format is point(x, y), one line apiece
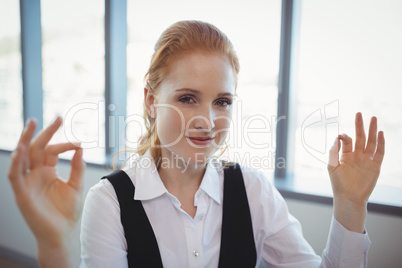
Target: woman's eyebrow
point(188, 90)
point(225, 94)
point(200, 93)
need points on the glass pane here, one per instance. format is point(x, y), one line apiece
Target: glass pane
point(10, 75)
point(74, 72)
point(350, 61)
point(255, 35)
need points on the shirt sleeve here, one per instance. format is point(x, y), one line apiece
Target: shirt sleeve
point(284, 244)
point(345, 248)
point(103, 243)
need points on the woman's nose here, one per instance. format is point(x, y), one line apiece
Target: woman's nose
point(205, 119)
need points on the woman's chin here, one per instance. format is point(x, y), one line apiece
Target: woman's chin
point(190, 156)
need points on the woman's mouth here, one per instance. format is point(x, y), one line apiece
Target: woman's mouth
point(201, 140)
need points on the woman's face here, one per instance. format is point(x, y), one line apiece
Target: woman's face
point(194, 106)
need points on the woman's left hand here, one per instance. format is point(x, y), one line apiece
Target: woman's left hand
point(354, 175)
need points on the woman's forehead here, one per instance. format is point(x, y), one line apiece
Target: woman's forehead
point(201, 71)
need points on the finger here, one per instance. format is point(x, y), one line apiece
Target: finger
point(27, 133)
point(379, 154)
point(16, 172)
point(25, 141)
point(360, 134)
point(53, 151)
point(36, 151)
point(333, 161)
point(77, 170)
point(372, 137)
point(347, 143)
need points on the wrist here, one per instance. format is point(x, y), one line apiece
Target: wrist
point(352, 215)
point(53, 256)
point(64, 252)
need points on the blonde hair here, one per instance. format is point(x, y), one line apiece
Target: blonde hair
point(180, 38)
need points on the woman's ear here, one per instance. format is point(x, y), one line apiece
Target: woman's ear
point(149, 100)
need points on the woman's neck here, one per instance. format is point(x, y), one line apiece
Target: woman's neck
point(182, 180)
point(178, 183)
point(178, 174)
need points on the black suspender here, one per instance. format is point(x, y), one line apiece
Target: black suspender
point(142, 248)
point(237, 241)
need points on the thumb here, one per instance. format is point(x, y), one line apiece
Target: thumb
point(77, 170)
point(333, 161)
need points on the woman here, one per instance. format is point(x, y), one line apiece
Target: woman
point(190, 86)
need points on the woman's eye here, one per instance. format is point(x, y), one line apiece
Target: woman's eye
point(224, 102)
point(186, 99)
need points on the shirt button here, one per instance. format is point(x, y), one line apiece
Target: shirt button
point(196, 253)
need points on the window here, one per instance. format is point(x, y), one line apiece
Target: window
point(74, 72)
point(350, 60)
point(255, 35)
point(10, 75)
point(347, 59)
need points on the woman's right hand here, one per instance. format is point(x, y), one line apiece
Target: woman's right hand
point(50, 206)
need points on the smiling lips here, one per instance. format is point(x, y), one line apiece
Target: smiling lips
point(201, 140)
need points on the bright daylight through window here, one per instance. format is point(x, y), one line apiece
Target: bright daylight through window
point(350, 61)
point(10, 75)
point(74, 72)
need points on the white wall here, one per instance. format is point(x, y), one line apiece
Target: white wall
point(385, 230)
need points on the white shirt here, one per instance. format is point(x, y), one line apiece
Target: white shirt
point(184, 241)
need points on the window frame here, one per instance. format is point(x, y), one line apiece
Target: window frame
point(116, 91)
point(31, 57)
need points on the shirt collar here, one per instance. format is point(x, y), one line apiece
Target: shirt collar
point(148, 184)
point(211, 183)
